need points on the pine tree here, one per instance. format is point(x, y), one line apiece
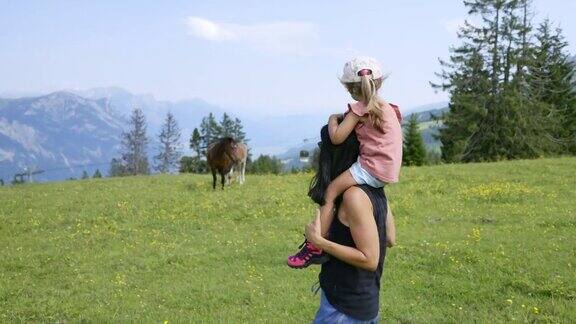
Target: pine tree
point(238, 131)
point(85, 175)
point(551, 82)
point(192, 164)
point(97, 174)
point(469, 86)
point(169, 145)
point(499, 134)
point(414, 152)
point(524, 33)
point(266, 164)
point(196, 142)
point(491, 116)
point(570, 114)
point(134, 143)
point(210, 131)
point(227, 126)
point(117, 169)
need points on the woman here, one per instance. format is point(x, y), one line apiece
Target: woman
point(350, 280)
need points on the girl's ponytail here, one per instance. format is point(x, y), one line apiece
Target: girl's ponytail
point(369, 88)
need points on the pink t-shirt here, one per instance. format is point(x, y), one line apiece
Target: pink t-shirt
point(380, 152)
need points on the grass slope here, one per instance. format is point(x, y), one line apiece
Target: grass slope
point(477, 243)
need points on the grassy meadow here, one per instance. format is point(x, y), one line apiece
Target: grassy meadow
point(492, 242)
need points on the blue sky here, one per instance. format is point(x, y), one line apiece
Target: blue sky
point(253, 57)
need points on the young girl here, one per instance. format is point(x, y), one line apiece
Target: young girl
point(377, 126)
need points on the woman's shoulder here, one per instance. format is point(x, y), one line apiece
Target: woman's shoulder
point(354, 195)
point(360, 195)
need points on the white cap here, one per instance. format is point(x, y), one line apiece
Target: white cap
point(352, 67)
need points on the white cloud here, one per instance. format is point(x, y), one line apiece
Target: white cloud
point(283, 36)
point(209, 30)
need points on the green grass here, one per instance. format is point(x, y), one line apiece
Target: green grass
point(476, 243)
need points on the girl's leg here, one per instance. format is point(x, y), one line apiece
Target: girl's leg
point(335, 189)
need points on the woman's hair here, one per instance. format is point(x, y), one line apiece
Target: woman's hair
point(333, 160)
point(366, 91)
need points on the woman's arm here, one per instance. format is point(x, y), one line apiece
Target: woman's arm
point(357, 207)
point(390, 228)
point(339, 132)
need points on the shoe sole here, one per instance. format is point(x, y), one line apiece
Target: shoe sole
point(319, 260)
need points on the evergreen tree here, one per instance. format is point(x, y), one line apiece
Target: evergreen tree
point(85, 175)
point(169, 147)
point(97, 174)
point(265, 164)
point(192, 164)
point(469, 86)
point(210, 131)
point(551, 82)
point(227, 126)
point(238, 131)
point(134, 143)
point(1, 182)
point(492, 115)
point(500, 133)
point(196, 142)
point(414, 152)
point(117, 169)
point(186, 164)
point(524, 33)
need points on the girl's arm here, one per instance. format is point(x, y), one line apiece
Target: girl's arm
point(356, 206)
point(339, 132)
point(390, 228)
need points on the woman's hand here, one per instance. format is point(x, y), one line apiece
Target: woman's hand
point(314, 231)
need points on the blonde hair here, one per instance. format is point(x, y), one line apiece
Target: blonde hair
point(366, 91)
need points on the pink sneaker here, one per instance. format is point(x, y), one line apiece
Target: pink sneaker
point(308, 254)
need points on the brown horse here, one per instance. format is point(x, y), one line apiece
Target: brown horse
point(221, 156)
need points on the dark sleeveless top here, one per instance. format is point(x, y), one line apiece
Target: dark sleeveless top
point(351, 290)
